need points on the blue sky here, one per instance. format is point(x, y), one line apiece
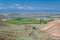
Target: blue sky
point(27, 6)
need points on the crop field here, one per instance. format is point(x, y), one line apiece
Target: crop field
point(28, 21)
point(23, 21)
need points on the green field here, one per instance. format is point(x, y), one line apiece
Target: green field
point(23, 21)
point(28, 21)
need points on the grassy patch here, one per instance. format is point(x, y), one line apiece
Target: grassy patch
point(23, 21)
point(28, 21)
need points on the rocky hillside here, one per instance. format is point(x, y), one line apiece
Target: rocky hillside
point(53, 29)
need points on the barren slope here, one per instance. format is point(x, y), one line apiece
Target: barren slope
point(53, 28)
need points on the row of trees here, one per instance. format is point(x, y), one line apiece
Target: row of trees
point(44, 21)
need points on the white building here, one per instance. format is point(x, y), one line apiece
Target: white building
point(3, 19)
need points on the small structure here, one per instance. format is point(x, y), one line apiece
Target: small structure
point(3, 19)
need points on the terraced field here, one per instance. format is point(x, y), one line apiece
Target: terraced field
point(17, 32)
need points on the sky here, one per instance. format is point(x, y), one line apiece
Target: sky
point(29, 6)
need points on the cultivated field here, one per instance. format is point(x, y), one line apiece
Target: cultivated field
point(28, 21)
point(16, 32)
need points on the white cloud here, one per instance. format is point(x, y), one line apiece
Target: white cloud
point(11, 6)
point(29, 7)
point(2, 8)
point(20, 7)
point(44, 8)
point(23, 7)
point(17, 5)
